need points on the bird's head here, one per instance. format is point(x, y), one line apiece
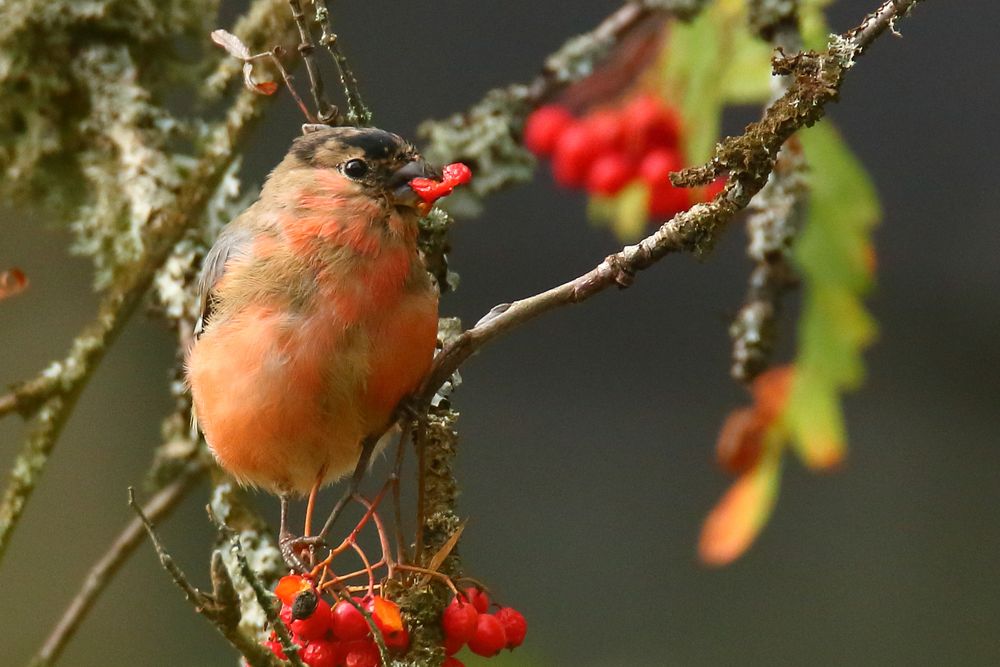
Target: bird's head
point(358, 163)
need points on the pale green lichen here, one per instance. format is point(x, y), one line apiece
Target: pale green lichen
point(81, 130)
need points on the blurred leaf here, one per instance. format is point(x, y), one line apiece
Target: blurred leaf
point(626, 213)
point(231, 43)
point(834, 255)
point(812, 23)
point(709, 62)
point(262, 87)
point(739, 516)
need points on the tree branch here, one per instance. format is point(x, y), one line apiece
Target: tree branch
point(156, 508)
point(776, 216)
point(749, 159)
point(324, 112)
point(52, 395)
point(221, 607)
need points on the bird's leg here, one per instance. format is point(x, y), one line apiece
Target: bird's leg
point(283, 533)
point(287, 543)
point(367, 448)
point(397, 505)
point(311, 504)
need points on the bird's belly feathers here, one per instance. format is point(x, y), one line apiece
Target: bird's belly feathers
point(285, 397)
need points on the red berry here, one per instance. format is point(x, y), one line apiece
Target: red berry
point(609, 174)
point(544, 127)
point(361, 653)
point(452, 645)
point(574, 153)
point(397, 641)
point(478, 597)
point(286, 615)
point(489, 638)
point(655, 168)
point(713, 188)
point(348, 623)
point(514, 626)
point(666, 200)
point(316, 625)
point(651, 124)
point(275, 647)
point(452, 662)
point(459, 620)
point(607, 128)
point(320, 653)
point(657, 164)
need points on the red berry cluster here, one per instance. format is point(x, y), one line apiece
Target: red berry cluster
point(608, 149)
point(337, 636)
point(466, 620)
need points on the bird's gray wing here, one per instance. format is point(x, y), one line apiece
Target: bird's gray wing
point(234, 241)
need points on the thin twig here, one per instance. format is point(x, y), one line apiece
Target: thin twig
point(264, 599)
point(221, 608)
point(357, 112)
point(156, 508)
point(275, 56)
point(749, 160)
point(324, 112)
point(775, 219)
point(56, 398)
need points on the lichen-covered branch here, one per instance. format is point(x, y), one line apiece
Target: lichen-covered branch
point(776, 215)
point(54, 392)
point(221, 607)
point(422, 598)
point(748, 159)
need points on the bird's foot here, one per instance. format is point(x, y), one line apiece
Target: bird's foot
point(297, 551)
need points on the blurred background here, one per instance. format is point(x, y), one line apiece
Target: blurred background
point(587, 436)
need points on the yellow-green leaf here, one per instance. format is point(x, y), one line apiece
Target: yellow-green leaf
point(833, 254)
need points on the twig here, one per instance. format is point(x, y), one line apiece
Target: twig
point(264, 599)
point(196, 597)
point(775, 220)
point(749, 160)
point(51, 400)
point(275, 57)
point(578, 57)
point(222, 608)
point(357, 112)
point(156, 508)
point(324, 112)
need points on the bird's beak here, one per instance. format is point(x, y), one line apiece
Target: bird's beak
point(399, 182)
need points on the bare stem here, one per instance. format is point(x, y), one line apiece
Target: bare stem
point(156, 508)
point(307, 48)
point(749, 160)
point(357, 112)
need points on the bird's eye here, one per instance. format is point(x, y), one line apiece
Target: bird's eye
point(355, 168)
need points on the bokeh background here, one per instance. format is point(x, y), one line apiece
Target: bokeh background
point(586, 457)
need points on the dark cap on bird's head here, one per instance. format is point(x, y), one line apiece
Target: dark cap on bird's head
point(379, 161)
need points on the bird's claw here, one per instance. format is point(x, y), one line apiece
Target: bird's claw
point(294, 548)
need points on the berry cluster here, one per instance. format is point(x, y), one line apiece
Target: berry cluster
point(610, 148)
point(466, 620)
point(337, 636)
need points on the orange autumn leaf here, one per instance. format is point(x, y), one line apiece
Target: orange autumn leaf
point(740, 441)
point(289, 586)
point(737, 519)
point(770, 392)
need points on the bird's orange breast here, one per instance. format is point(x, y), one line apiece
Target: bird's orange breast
point(286, 392)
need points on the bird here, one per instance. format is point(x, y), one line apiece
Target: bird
point(317, 315)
